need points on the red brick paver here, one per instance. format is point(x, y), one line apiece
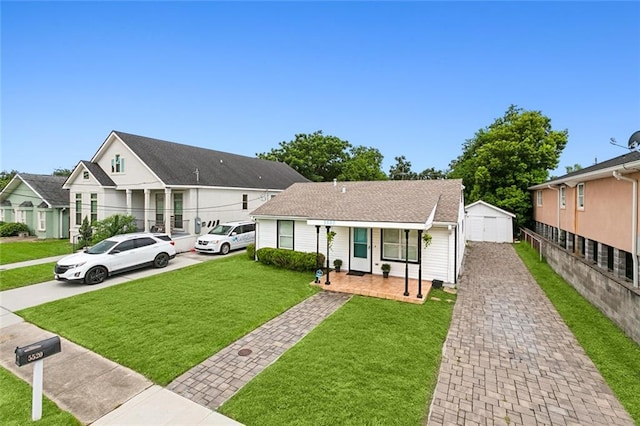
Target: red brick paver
point(509, 359)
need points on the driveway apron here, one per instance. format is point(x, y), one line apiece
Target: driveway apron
point(510, 359)
point(218, 378)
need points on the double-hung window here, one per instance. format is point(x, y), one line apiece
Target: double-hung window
point(78, 209)
point(539, 197)
point(42, 221)
point(580, 196)
point(21, 216)
point(245, 201)
point(394, 245)
point(563, 197)
point(94, 208)
point(285, 234)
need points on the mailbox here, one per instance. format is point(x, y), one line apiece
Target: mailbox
point(37, 351)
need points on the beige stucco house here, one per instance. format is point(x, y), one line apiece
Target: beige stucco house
point(593, 213)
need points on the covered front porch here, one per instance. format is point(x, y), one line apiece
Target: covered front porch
point(376, 286)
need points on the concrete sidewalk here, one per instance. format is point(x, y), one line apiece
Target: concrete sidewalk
point(32, 262)
point(92, 388)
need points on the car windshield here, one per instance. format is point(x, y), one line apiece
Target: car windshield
point(102, 247)
point(220, 230)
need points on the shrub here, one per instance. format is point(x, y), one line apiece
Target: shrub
point(251, 251)
point(113, 225)
point(288, 259)
point(12, 229)
point(85, 232)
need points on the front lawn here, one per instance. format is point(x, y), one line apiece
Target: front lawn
point(163, 325)
point(15, 404)
point(372, 362)
point(19, 251)
point(614, 354)
point(20, 277)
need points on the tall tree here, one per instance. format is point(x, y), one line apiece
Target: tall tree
point(315, 156)
point(574, 168)
point(432, 173)
point(5, 178)
point(364, 163)
point(62, 172)
point(502, 160)
point(402, 170)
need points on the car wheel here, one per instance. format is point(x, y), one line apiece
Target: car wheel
point(224, 249)
point(161, 260)
point(95, 275)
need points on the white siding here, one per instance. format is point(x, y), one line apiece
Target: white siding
point(437, 259)
point(489, 224)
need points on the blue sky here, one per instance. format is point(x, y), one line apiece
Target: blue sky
point(408, 78)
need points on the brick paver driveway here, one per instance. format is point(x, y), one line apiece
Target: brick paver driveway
point(510, 359)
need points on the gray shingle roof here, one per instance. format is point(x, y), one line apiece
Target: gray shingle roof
point(97, 172)
point(175, 164)
point(617, 161)
point(377, 201)
point(48, 187)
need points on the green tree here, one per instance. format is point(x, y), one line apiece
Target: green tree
point(86, 232)
point(574, 168)
point(402, 170)
point(431, 173)
point(317, 157)
point(502, 160)
point(364, 163)
point(113, 225)
point(62, 172)
point(5, 178)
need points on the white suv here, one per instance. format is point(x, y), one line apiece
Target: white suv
point(114, 255)
point(226, 237)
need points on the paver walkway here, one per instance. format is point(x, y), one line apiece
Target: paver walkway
point(214, 381)
point(510, 359)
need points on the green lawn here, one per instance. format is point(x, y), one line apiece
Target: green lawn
point(616, 355)
point(163, 325)
point(372, 362)
point(15, 404)
point(12, 252)
point(20, 277)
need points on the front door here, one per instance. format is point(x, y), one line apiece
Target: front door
point(360, 250)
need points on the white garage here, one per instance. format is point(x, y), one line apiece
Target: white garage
point(486, 222)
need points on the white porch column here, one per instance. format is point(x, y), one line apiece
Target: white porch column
point(167, 210)
point(129, 202)
point(147, 208)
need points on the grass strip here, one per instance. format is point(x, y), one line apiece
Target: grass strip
point(15, 404)
point(20, 251)
point(20, 277)
point(163, 325)
point(373, 361)
point(616, 356)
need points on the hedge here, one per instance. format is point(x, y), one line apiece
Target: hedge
point(289, 259)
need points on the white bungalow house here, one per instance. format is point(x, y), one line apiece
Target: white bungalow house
point(371, 223)
point(170, 187)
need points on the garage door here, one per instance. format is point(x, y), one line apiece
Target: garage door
point(488, 228)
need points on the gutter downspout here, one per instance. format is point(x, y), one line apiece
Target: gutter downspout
point(634, 224)
point(557, 208)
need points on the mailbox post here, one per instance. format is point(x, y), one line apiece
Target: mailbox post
point(36, 353)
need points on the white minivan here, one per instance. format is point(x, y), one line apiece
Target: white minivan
point(226, 237)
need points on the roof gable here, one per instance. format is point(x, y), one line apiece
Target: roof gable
point(184, 165)
point(490, 206)
point(374, 201)
point(48, 188)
